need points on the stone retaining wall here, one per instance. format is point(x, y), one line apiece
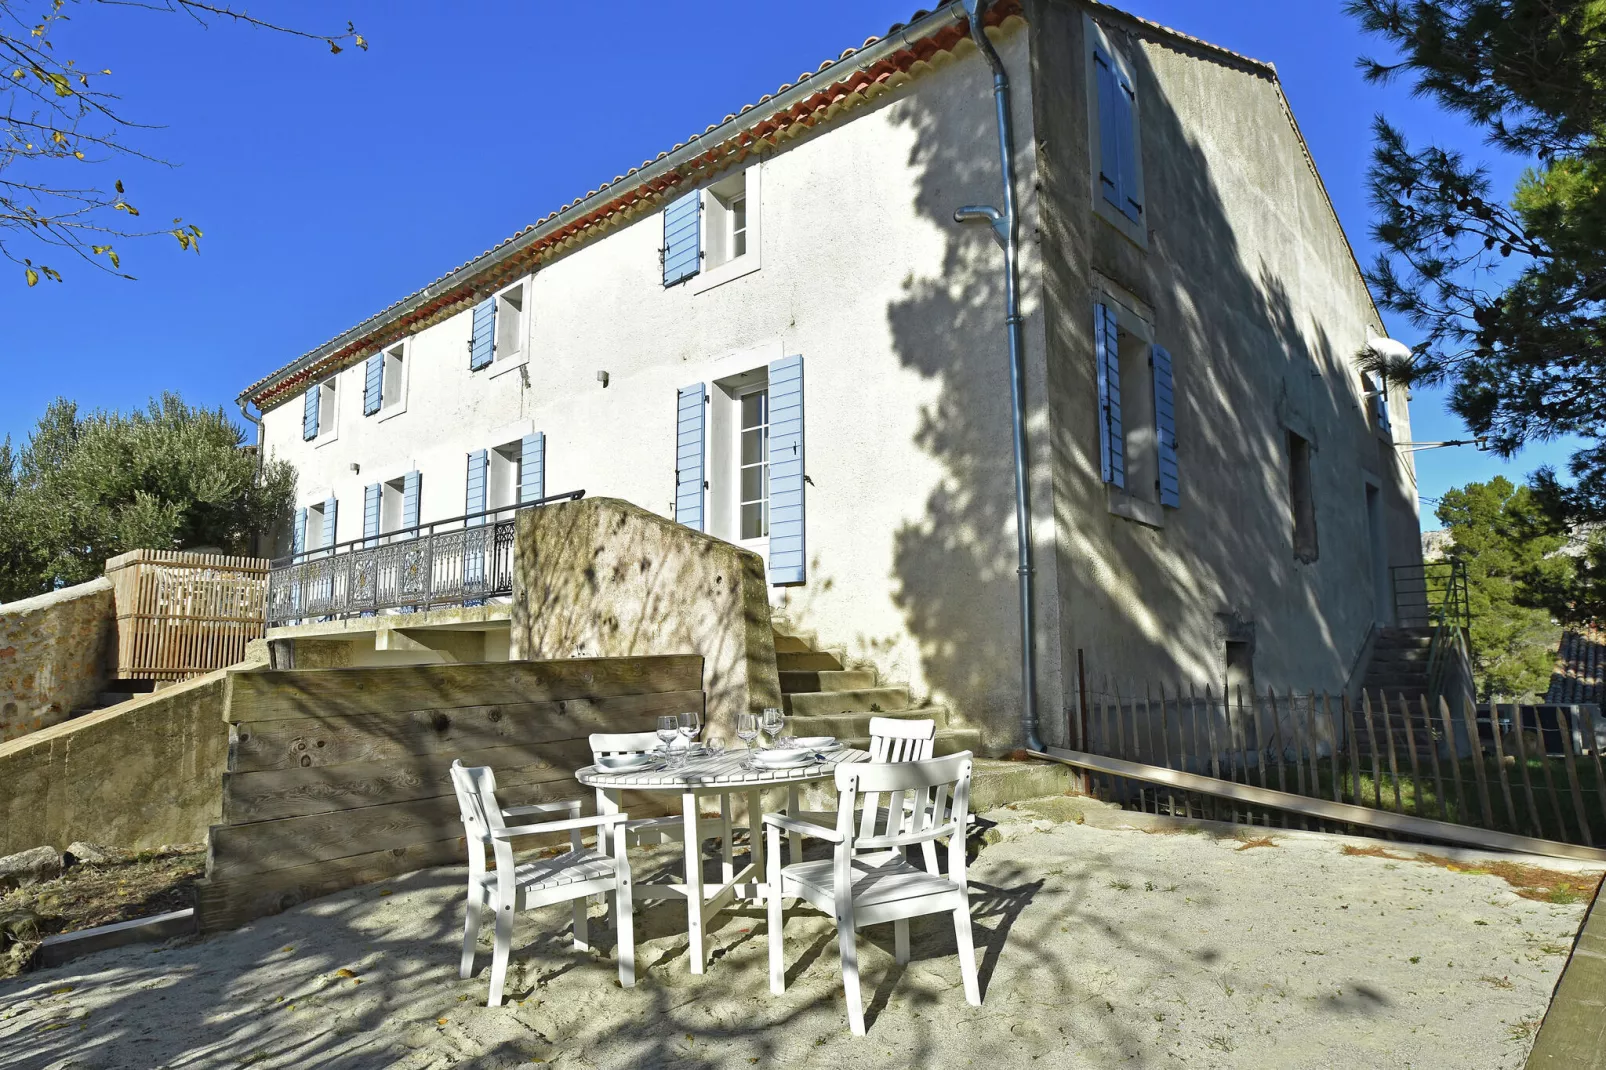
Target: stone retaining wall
point(55, 655)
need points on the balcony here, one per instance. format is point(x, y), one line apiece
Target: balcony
point(462, 561)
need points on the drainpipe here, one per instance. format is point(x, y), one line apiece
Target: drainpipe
point(1005, 230)
point(256, 540)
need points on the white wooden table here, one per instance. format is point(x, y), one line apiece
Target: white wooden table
point(723, 775)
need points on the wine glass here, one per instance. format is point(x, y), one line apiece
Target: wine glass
point(747, 728)
point(691, 723)
point(668, 731)
point(772, 722)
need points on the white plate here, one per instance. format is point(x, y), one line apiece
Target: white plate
point(783, 759)
point(817, 744)
point(625, 763)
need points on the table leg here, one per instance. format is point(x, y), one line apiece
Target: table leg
point(726, 854)
point(608, 803)
point(694, 882)
point(755, 833)
point(794, 841)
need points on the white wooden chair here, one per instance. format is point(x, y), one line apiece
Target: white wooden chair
point(892, 739)
point(574, 875)
point(868, 880)
point(641, 830)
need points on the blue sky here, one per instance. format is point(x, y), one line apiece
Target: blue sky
point(330, 186)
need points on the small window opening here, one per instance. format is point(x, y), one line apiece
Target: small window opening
point(392, 497)
point(390, 388)
point(507, 463)
point(725, 217)
point(1139, 432)
point(1301, 496)
point(755, 465)
point(315, 522)
point(510, 322)
point(1240, 668)
point(326, 407)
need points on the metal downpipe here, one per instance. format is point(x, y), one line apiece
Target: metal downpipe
point(1005, 229)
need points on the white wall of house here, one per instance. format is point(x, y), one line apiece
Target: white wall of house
point(853, 231)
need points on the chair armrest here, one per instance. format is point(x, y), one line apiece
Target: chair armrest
point(904, 839)
point(568, 806)
point(802, 828)
point(594, 821)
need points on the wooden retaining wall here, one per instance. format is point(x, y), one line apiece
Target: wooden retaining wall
point(338, 777)
point(182, 614)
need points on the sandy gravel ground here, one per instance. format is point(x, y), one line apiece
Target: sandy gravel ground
point(1099, 948)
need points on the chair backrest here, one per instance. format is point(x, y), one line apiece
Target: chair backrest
point(476, 800)
point(893, 739)
point(608, 744)
point(924, 795)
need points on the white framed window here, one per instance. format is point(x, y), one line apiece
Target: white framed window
point(317, 520)
point(753, 465)
point(393, 381)
point(502, 482)
point(1114, 136)
point(1138, 445)
point(392, 498)
point(510, 323)
point(731, 210)
point(328, 409)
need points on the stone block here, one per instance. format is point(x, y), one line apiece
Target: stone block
point(33, 866)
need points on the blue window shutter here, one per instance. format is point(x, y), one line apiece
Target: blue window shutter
point(482, 348)
point(788, 560)
point(1380, 399)
point(330, 527)
point(1109, 89)
point(410, 500)
point(298, 534)
point(683, 242)
point(371, 496)
point(309, 413)
point(1126, 133)
point(474, 502)
point(1165, 426)
point(691, 417)
point(1107, 355)
point(532, 468)
point(372, 381)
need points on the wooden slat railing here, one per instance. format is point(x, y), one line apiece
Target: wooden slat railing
point(182, 614)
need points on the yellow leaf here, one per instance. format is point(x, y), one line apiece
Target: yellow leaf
point(343, 972)
point(33, 277)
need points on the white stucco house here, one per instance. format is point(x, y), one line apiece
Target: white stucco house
point(777, 333)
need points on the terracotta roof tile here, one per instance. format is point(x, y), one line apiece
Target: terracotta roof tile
point(1580, 674)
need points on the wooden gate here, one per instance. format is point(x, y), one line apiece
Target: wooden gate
point(183, 614)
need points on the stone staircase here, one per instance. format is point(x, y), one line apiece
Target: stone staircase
point(823, 697)
point(1399, 667)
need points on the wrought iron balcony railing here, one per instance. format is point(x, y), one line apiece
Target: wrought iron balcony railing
point(461, 561)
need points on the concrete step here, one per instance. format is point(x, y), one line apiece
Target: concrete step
point(857, 725)
point(857, 700)
point(948, 741)
point(800, 681)
point(996, 783)
point(815, 660)
point(793, 644)
point(1392, 683)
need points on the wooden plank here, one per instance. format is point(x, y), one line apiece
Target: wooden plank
point(1463, 811)
point(223, 904)
point(1573, 1033)
point(1550, 776)
point(1433, 753)
point(1503, 775)
point(1405, 824)
point(267, 846)
point(1371, 745)
point(1410, 747)
point(1311, 747)
point(1469, 719)
point(1333, 749)
point(298, 792)
point(368, 737)
point(268, 694)
point(1354, 749)
point(1281, 745)
point(1594, 752)
point(1394, 758)
point(1240, 763)
point(1571, 763)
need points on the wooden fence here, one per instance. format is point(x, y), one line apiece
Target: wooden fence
point(1441, 760)
point(339, 777)
point(183, 614)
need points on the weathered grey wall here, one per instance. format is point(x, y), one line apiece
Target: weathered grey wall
point(1252, 288)
point(55, 654)
point(604, 578)
point(141, 774)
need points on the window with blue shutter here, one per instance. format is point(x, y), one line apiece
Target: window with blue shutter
point(1109, 141)
point(298, 534)
point(372, 496)
point(1120, 179)
point(479, 463)
point(1378, 387)
point(1165, 425)
point(532, 468)
point(691, 419)
point(1107, 355)
point(410, 488)
point(682, 252)
point(309, 413)
point(482, 346)
point(330, 508)
point(474, 502)
point(1126, 135)
point(787, 551)
point(373, 382)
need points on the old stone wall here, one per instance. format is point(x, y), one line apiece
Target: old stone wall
point(55, 655)
point(140, 774)
point(604, 578)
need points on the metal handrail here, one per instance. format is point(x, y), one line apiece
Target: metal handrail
point(462, 560)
